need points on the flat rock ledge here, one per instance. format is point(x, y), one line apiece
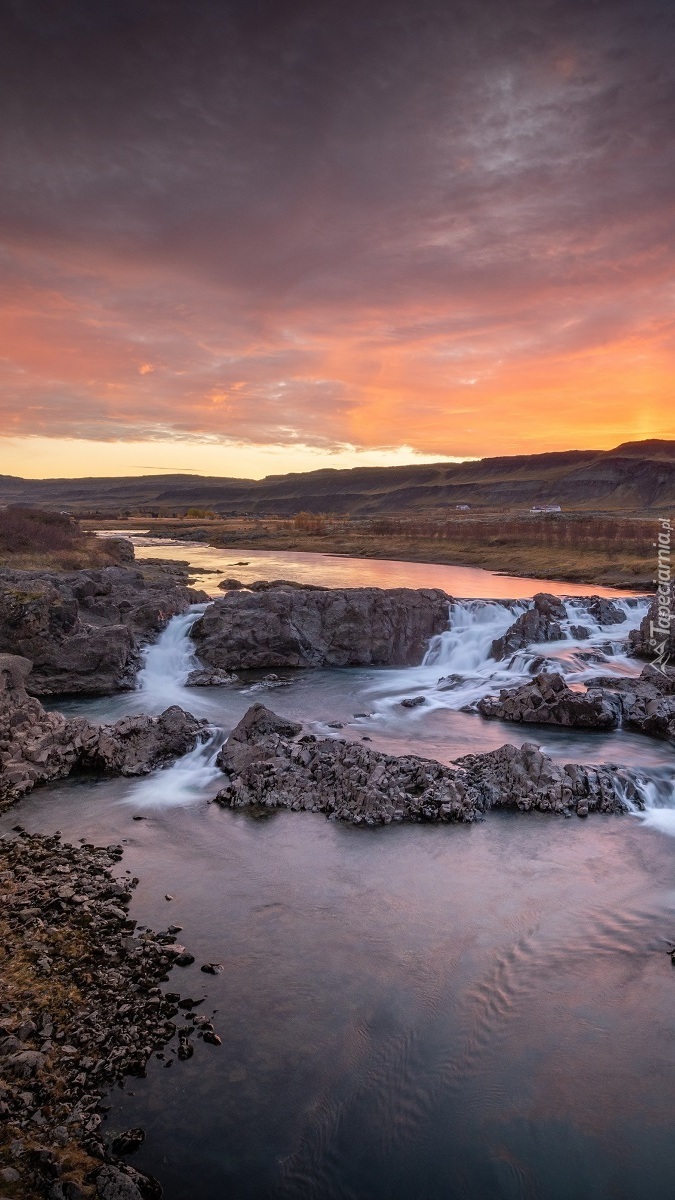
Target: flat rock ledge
point(646, 704)
point(38, 746)
point(80, 1008)
point(269, 767)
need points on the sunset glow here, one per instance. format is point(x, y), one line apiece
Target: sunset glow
point(330, 238)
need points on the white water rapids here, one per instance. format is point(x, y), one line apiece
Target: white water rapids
point(457, 670)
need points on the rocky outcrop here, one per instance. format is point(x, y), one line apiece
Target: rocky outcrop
point(526, 779)
point(210, 677)
point(605, 611)
point(38, 746)
point(310, 627)
point(541, 623)
point(82, 630)
point(655, 639)
point(647, 703)
point(344, 780)
point(268, 766)
point(547, 700)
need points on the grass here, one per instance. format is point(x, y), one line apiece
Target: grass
point(38, 539)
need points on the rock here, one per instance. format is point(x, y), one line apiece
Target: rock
point(527, 779)
point(212, 968)
point(9, 1175)
point(228, 584)
point(184, 960)
point(345, 780)
point(285, 626)
point(114, 1184)
point(38, 746)
point(136, 745)
point(210, 678)
point(541, 623)
point(605, 611)
point(647, 704)
point(82, 630)
point(413, 702)
point(127, 1142)
point(655, 639)
point(548, 701)
point(212, 1038)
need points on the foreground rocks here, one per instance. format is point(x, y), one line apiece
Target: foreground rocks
point(82, 630)
point(547, 700)
point(268, 767)
point(80, 1008)
point(38, 746)
point(296, 626)
point(526, 779)
point(646, 704)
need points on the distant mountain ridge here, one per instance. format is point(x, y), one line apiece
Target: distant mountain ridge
point(632, 477)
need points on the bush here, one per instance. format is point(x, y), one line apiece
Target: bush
point(27, 530)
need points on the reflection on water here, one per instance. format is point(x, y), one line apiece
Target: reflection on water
point(416, 1012)
point(332, 570)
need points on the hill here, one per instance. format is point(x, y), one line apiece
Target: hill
point(634, 477)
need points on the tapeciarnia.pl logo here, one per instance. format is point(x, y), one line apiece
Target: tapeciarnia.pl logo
point(659, 630)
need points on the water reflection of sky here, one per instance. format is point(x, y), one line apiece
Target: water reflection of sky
point(335, 571)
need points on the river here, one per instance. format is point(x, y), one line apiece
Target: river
point(407, 1012)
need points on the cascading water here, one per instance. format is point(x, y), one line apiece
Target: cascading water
point(167, 664)
point(463, 655)
point(651, 798)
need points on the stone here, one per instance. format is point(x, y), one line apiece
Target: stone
point(298, 626)
point(541, 623)
point(413, 702)
point(83, 630)
point(655, 639)
point(547, 700)
point(205, 677)
point(114, 1184)
point(129, 1141)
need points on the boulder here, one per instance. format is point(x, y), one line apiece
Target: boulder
point(525, 778)
point(647, 703)
point(541, 623)
point(547, 700)
point(295, 626)
point(344, 780)
point(605, 611)
point(38, 746)
point(655, 639)
point(210, 677)
point(82, 630)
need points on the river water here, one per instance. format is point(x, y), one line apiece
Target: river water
point(409, 1012)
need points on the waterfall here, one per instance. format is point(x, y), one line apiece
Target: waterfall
point(189, 778)
point(167, 664)
point(655, 806)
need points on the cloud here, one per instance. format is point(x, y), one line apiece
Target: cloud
point(440, 223)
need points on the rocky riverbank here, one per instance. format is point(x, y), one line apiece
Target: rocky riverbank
point(83, 630)
point(38, 746)
point(269, 767)
point(80, 1008)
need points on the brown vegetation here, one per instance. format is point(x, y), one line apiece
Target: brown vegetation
point(33, 538)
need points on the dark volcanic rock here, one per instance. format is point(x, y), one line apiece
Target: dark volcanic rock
point(302, 627)
point(342, 779)
point(548, 701)
point(349, 782)
point(81, 998)
point(655, 639)
point(38, 746)
point(82, 630)
point(605, 611)
point(210, 677)
point(526, 779)
point(648, 703)
point(541, 623)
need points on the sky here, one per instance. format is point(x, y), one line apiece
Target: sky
point(240, 237)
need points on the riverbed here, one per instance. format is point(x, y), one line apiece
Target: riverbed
point(410, 1012)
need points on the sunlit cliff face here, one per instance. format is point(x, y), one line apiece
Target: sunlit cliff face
point(249, 238)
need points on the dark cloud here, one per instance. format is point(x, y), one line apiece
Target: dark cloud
point(267, 202)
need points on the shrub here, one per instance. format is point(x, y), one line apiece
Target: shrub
point(26, 530)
